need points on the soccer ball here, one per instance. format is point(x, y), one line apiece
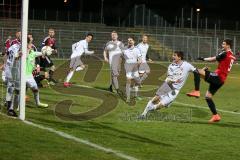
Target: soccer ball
point(47, 50)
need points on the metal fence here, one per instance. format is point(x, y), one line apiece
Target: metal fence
point(161, 45)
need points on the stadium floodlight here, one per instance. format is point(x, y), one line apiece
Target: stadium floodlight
point(198, 11)
point(24, 25)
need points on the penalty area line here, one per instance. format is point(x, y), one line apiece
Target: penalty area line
point(76, 139)
point(79, 140)
point(202, 107)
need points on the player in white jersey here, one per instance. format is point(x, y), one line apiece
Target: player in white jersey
point(112, 55)
point(132, 56)
point(78, 49)
point(3, 67)
point(144, 69)
point(177, 75)
point(12, 74)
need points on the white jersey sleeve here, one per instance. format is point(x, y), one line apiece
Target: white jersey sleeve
point(191, 68)
point(85, 48)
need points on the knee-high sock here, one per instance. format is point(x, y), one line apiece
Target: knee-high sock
point(15, 100)
point(128, 89)
point(11, 104)
point(36, 97)
point(69, 76)
point(115, 82)
point(9, 97)
point(9, 93)
point(136, 90)
point(196, 80)
point(150, 106)
point(211, 105)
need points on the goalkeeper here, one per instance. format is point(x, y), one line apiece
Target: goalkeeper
point(177, 75)
point(30, 81)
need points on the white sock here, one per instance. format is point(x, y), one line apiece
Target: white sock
point(36, 97)
point(79, 69)
point(13, 101)
point(150, 106)
point(128, 90)
point(136, 90)
point(69, 76)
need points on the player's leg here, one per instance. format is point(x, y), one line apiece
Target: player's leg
point(213, 88)
point(15, 101)
point(163, 98)
point(51, 72)
point(50, 65)
point(129, 68)
point(115, 71)
point(197, 74)
point(44, 67)
point(68, 78)
point(128, 88)
point(9, 94)
point(151, 105)
point(144, 71)
point(80, 68)
point(78, 65)
point(74, 63)
point(12, 97)
point(136, 82)
point(31, 83)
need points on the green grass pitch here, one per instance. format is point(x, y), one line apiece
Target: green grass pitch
point(179, 132)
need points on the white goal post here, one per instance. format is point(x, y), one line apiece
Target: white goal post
point(24, 30)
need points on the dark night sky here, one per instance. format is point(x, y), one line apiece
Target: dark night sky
point(227, 8)
point(218, 9)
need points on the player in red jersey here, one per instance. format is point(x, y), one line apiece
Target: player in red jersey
point(45, 62)
point(217, 78)
point(7, 44)
point(17, 39)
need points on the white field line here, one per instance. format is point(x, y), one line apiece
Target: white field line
point(180, 103)
point(79, 140)
point(233, 77)
point(202, 107)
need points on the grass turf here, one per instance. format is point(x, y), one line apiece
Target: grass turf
point(179, 132)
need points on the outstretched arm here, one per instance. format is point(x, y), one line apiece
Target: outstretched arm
point(87, 52)
point(105, 56)
point(209, 59)
point(219, 57)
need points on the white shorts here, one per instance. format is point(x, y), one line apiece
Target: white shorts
point(75, 62)
point(144, 68)
point(131, 70)
point(168, 98)
point(132, 75)
point(31, 83)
